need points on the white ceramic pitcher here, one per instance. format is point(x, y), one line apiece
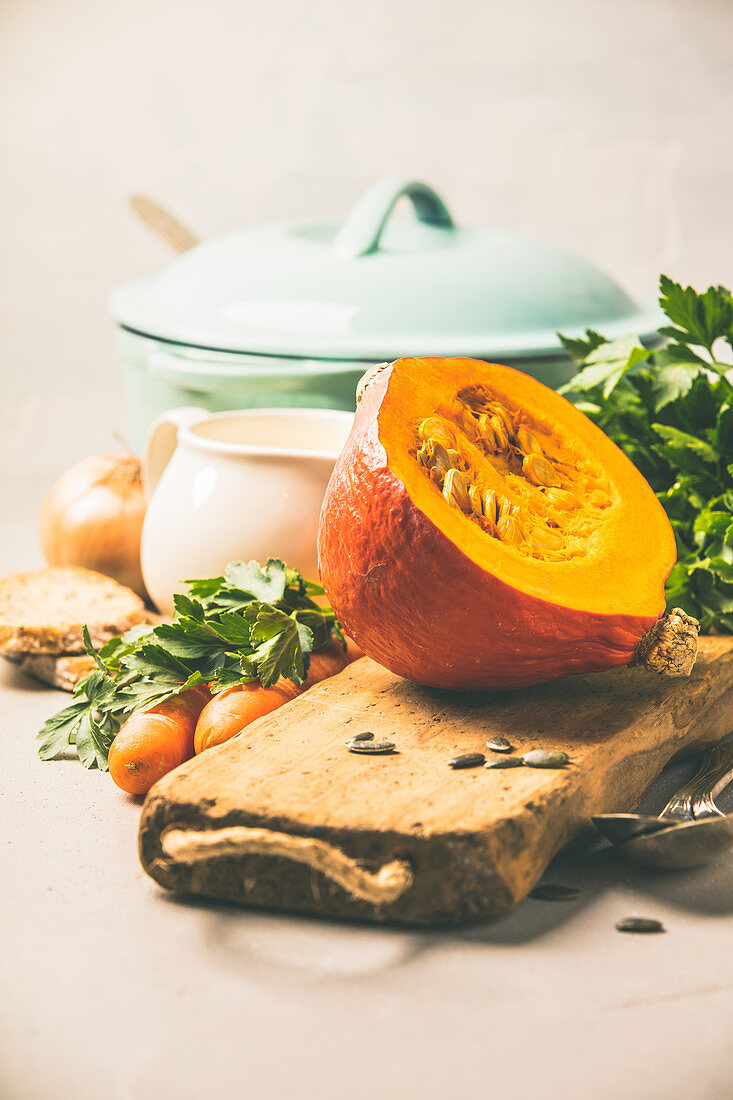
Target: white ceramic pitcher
point(234, 486)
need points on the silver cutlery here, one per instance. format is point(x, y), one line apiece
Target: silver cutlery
point(690, 830)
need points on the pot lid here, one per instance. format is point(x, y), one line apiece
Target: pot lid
point(378, 286)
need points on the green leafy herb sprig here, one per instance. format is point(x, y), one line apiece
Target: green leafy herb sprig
point(253, 623)
point(671, 410)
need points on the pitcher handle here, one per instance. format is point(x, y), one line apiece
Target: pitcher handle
point(162, 441)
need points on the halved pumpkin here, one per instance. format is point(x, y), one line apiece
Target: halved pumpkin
point(480, 532)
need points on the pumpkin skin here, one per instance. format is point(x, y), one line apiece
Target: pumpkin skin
point(429, 595)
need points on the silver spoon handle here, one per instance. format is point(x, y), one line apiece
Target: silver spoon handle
point(697, 798)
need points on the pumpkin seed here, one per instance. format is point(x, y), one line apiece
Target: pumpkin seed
point(561, 498)
point(504, 762)
point(455, 490)
point(474, 495)
point(488, 435)
point(528, 441)
point(551, 891)
point(547, 538)
point(490, 505)
point(434, 428)
point(366, 736)
point(545, 758)
point(505, 508)
point(505, 418)
point(441, 461)
point(640, 924)
point(539, 471)
point(499, 744)
point(509, 530)
point(598, 499)
point(371, 748)
point(500, 432)
point(453, 457)
point(467, 760)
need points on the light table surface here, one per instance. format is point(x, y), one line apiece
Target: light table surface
point(112, 990)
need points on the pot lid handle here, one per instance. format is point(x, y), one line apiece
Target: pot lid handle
point(359, 235)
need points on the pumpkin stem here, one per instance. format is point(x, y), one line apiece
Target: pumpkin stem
point(670, 646)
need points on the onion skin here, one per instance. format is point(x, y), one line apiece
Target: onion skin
point(93, 517)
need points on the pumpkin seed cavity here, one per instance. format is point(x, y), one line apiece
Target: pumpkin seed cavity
point(513, 477)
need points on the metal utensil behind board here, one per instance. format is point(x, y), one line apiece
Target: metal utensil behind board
point(690, 830)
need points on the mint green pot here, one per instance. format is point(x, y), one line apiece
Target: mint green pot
point(293, 314)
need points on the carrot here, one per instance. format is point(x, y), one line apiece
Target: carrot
point(227, 714)
point(153, 742)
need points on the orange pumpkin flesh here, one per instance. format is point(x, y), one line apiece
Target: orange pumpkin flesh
point(564, 576)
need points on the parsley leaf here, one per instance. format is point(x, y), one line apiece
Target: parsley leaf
point(579, 348)
point(699, 319)
point(282, 646)
point(607, 364)
point(265, 583)
point(671, 410)
point(253, 623)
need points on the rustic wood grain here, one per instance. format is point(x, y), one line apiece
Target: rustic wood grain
point(477, 840)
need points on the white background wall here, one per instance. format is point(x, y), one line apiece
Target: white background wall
point(601, 124)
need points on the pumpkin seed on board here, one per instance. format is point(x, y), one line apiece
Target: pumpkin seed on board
point(640, 924)
point(552, 891)
point(467, 760)
point(371, 748)
point(359, 737)
point(499, 744)
point(504, 762)
point(545, 758)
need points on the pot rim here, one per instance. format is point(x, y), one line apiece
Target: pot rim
point(648, 333)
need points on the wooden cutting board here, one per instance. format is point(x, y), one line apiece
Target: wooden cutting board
point(285, 817)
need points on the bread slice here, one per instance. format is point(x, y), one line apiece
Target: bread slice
point(43, 612)
point(59, 672)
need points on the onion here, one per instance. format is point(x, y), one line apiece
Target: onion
point(93, 517)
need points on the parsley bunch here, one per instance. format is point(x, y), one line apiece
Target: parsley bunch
point(251, 624)
point(671, 410)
